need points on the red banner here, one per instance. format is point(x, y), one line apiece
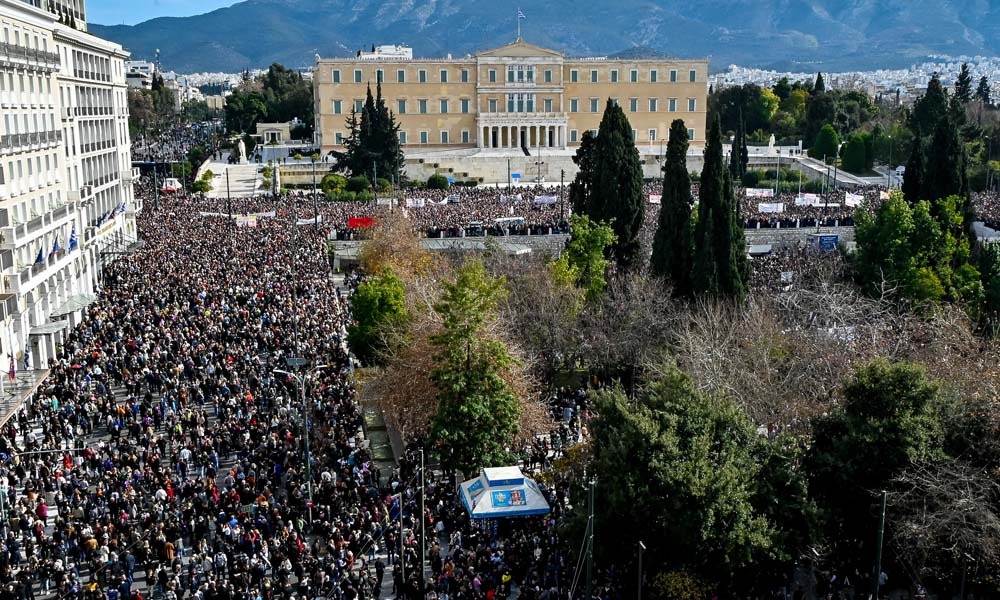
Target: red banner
point(361, 222)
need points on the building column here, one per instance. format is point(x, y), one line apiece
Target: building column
point(510, 136)
point(538, 136)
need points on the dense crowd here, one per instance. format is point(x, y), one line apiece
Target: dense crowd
point(164, 453)
point(172, 142)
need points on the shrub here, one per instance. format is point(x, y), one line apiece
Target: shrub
point(437, 182)
point(332, 182)
point(751, 178)
point(358, 183)
point(383, 185)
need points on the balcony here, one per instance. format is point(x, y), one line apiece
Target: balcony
point(29, 141)
point(19, 57)
point(20, 233)
point(29, 277)
point(486, 119)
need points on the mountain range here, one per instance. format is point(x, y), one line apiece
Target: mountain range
point(792, 35)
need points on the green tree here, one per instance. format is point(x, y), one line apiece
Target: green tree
point(437, 182)
point(827, 144)
point(820, 86)
point(244, 110)
point(373, 148)
point(584, 255)
point(782, 89)
point(377, 305)
point(695, 471)
point(946, 163)
point(358, 183)
point(983, 91)
point(478, 411)
point(581, 194)
point(890, 419)
point(672, 245)
point(963, 85)
point(615, 183)
point(720, 265)
point(913, 178)
point(855, 155)
point(333, 183)
point(929, 109)
point(767, 105)
point(821, 110)
point(989, 266)
point(925, 252)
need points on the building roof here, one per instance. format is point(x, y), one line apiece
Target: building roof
point(520, 48)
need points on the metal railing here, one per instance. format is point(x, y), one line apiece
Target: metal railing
point(12, 54)
point(21, 140)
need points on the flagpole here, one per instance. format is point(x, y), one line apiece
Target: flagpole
point(518, 19)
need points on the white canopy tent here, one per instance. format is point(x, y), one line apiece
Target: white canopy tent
point(502, 492)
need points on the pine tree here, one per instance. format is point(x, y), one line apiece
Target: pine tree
point(739, 155)
point(913, 178)
point(720, 266)
point(672, 245)
point(963, 85)
point(983, 91)
point(373, 148)
point(820, 86)
point(616, 194)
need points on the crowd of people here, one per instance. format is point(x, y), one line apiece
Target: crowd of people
point(164, 455)
point(172, 142)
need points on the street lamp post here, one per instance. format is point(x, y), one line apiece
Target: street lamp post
point(889, 174)
point(638, 594)
point(301, 380)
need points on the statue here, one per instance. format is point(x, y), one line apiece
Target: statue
point(241, 150)
point(770, 142)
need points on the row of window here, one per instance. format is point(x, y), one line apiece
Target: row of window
point(521, 103)
point(523, 74)
point(574, 136)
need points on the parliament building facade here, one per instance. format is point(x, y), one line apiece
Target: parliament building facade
point(519, 95)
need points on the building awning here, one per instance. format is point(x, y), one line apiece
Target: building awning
point(50, 327)
point(73, 304)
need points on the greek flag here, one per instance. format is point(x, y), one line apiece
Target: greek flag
point(55, 246)
point(72, 239)
point(41, 256)
point(520, 15)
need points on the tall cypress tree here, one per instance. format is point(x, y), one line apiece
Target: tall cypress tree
point(734, 268)
point(581, 189)
point(913, 178)
point(672, 257)
point(617, 183)
point(820, 86)
point(930, 108)
point(945, 163)
point(983, 91)
point(963, 85)
point(710, 249)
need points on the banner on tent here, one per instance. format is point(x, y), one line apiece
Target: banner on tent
point(771, 207)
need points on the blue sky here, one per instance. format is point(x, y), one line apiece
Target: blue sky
point(130, 12)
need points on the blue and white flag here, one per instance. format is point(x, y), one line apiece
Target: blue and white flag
point(55, 246)
point(520, 15)
point(121, 208)
point(41, 256)
point(72, 239)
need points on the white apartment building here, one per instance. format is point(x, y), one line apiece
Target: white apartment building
point(65, 175)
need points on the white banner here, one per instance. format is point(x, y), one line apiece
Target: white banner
point(263, 214)
point(759, 193)
point(546, 199)
point(808, 200)
point(415, 202)
point(853, 200)
point(883, 195)
point(312, 221)
point(246, 221)
point(771, 207)
point(655, 198)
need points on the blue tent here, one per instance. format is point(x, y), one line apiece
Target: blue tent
point(502, 492)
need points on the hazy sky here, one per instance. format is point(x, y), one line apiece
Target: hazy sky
point(130, 12)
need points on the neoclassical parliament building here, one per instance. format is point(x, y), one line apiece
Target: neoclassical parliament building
point(517, 96)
